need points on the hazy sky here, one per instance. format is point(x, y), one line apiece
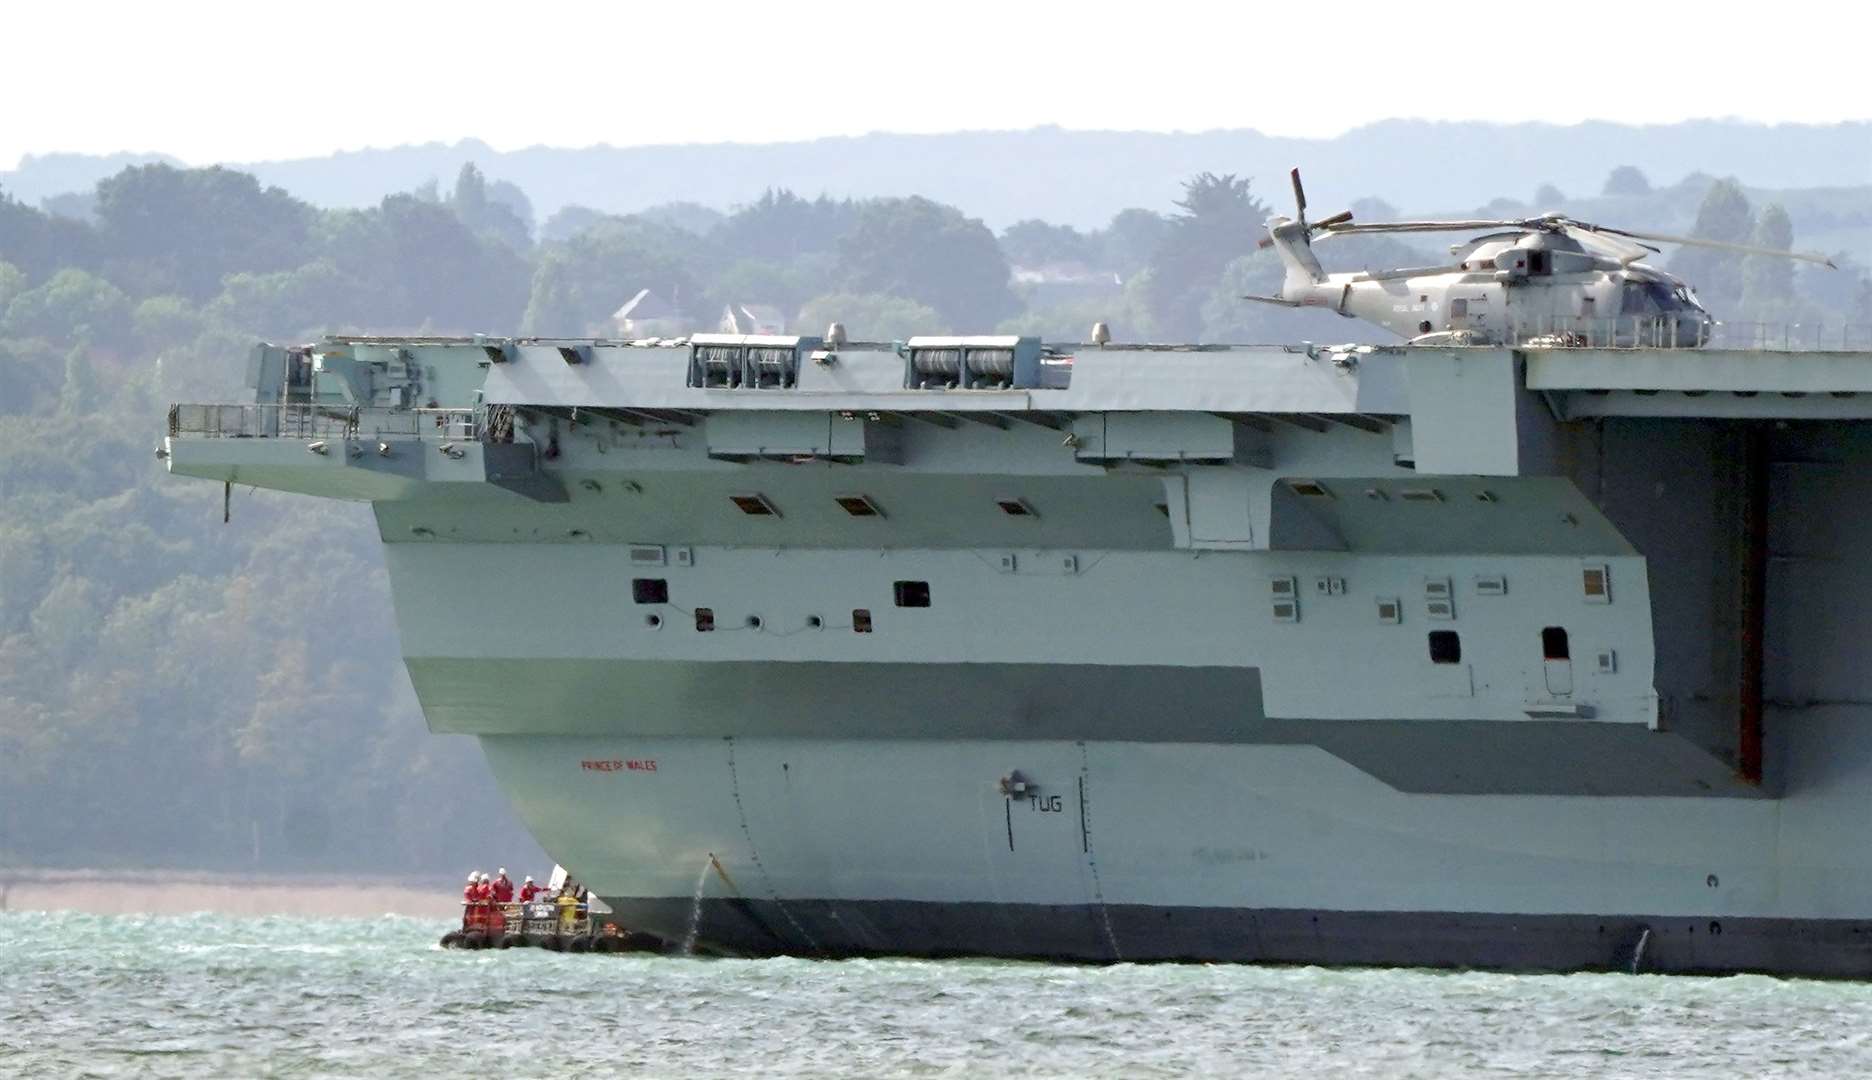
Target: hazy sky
point(260, 81)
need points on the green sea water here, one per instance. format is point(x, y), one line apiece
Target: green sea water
point(209, 996)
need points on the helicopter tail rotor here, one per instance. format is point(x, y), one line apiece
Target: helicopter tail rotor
point(1307, 229)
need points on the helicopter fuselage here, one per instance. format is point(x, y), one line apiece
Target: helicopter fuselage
point(1506, 289)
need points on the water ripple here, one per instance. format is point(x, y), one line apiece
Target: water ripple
point(204, 995)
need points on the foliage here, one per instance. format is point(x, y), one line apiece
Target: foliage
point(231, 224)
point(871, 317)
point(753, 281)
point(930, 253)
point(1133, 236)
point(38, 244)
point(781, 226)
point(581, 282)
point(1036, 243)
point(687, 216)
point(1220, 221)
point(71, 305)
point(1724, 215)
point(568, 222)
point(489, 217)
point(1768, 282)
point(1627, 180)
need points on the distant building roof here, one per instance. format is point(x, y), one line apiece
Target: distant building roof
point(753, 319)
point(1065, 273)
point(645, 305)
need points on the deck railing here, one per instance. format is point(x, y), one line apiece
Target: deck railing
point(1639, 332)
point(302, 421)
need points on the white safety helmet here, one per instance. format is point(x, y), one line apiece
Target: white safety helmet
point(503, 872)
point(484, 876)
point(473, 877)
point(529, 879)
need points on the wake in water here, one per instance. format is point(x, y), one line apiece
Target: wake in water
point(695, 907)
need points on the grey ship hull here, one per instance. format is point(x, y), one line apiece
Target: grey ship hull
point(1195, 851)
point(1449, 658)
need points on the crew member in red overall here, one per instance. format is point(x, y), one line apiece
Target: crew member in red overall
point(503, 888)
point(529, 890)
point(484, 899)
point(470, 909)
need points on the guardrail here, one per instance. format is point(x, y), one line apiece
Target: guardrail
point(1639, 332)
point(302, 421)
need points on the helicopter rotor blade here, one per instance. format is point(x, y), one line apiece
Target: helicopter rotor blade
point(1343, 217)
point(1299, 196)
point(1410, 272)
point(1697, 241)
point(1432, 226)
point(1626, 251)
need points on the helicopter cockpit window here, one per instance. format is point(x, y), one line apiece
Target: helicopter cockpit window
point(1667, 297)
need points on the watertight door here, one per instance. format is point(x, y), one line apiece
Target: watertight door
point(1557, 661)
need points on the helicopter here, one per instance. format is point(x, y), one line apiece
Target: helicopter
point(1544, 280)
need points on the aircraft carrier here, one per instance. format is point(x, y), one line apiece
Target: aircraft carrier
point(1525, 658)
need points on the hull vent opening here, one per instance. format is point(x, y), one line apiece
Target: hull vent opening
point(755, 505)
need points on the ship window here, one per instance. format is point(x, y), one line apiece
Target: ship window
point(1553, 643)
point(858, 505)
point(1311, 488)
point(1445, 647)
point(911, 593)
point(1459, 309)
point(861, 620)
point(1596, 584)
point(1390, 611)
point(755, 505)
point(1537, 262)
point(704, 619)
point(648, 590)
point(1015, 507)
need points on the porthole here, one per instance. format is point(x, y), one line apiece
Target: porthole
point(814, 622)
point(653, 621)
point(754, 622)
